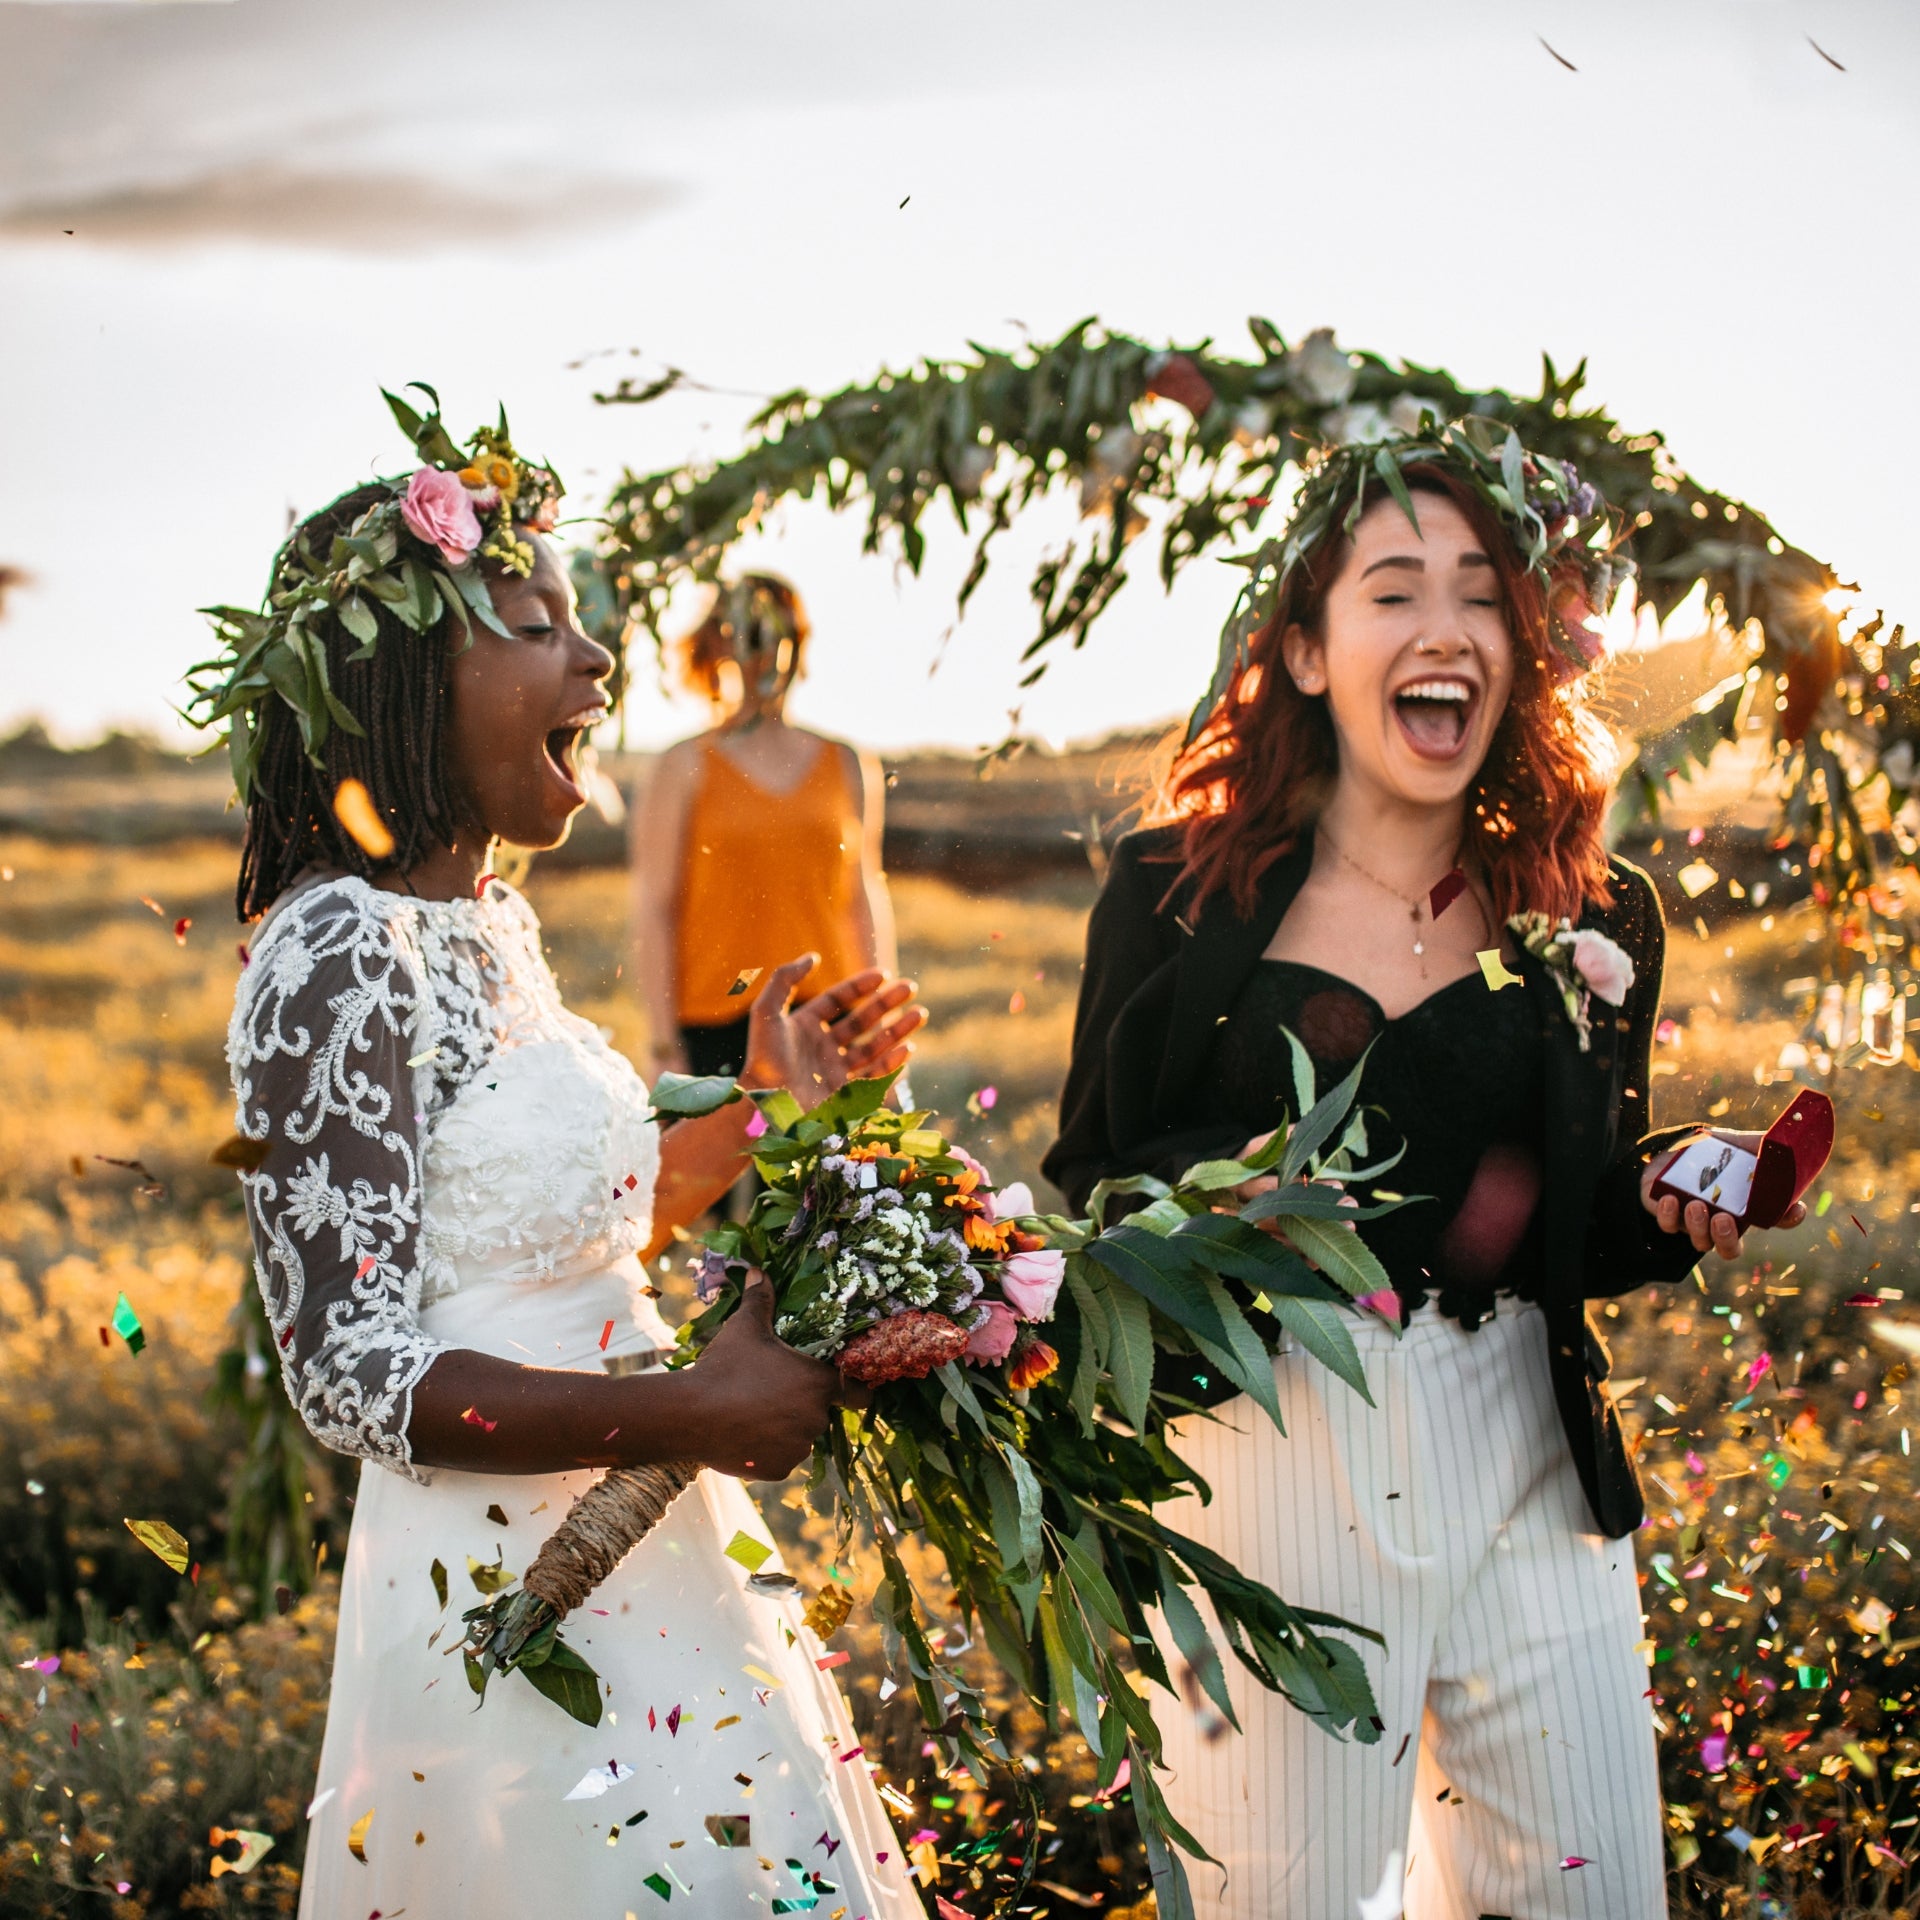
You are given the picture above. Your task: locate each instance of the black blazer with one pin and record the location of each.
(1159, 978)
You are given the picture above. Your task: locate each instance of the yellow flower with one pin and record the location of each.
(500, 473)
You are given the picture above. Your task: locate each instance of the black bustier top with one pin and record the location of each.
(1456, 1079)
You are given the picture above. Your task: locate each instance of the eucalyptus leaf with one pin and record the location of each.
(687, 1096)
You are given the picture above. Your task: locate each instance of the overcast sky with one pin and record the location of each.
(278, 205)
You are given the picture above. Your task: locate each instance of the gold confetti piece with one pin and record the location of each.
(827, 1611)
(729, 1829)
(763, 1676)
(1495, 970)
(744, 979)
(353, 808)
(162, 1541)
(239, 1153)
(357, 1836)
(438, 1574)
(732, 1720)
(489, 1577)
(1696, 878)
(750, 1553)
(421, 1059)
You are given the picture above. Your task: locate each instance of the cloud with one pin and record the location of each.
(365, 212)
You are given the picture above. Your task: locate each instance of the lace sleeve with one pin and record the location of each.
(319, 1046)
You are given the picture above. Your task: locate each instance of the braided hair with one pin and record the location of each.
(399, 694)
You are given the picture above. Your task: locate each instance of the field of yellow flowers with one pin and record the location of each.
(157, 1729)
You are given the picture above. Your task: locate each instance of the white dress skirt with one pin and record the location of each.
(471, 1814)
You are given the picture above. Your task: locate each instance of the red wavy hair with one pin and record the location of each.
(1258, 774)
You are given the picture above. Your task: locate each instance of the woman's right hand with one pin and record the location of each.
(1261, 1182)
(759, 1404)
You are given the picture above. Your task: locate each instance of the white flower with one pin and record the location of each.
(1603, 965)
(1404, 410)
(1319, 371)
(1356, 426)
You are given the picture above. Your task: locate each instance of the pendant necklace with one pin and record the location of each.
(1443, 893)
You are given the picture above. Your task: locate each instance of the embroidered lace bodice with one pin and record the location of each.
(434, 1120)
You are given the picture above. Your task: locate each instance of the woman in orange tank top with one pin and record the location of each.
(756, 842)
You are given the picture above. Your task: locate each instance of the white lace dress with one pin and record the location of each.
(454, 1160)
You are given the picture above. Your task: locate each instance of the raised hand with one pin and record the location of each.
(857, 1029)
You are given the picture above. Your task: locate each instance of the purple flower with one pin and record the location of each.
(712, 1276)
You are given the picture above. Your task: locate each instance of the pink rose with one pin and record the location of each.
(1031, 1282)
(992, 1340)
(438, 509)
(1009, 1203)
(1604, 966)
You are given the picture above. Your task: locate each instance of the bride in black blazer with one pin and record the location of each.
(1386, 840)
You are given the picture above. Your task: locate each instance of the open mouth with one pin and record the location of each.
(562, 744)
(1435, 714)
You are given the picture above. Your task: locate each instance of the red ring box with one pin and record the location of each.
(1755, 1189)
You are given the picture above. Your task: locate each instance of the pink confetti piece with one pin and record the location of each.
(829, 1842)
(606, 1334)
(366, 1266)
(1574, 1859)
(1759, 1367)
(989, 1098)
(1385, 1302)
(47, 1663)
(756, 1124)
(924, 1837)
(852, 1753)
(673, 1723)
(1713, 1753)
(1120, 1780)
(836, 1659)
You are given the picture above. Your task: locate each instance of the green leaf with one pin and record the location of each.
(359, 620)
(568, 1682)
(1134, 1183)
(1190, 1635)
(1244, 1360)
(1029, 1492)
(1320, 1122)
(1089, 1582)
(687, 1095)
(780, 1109)
(1130, 1352)
(1322, 1330)
(1160, 1274)
(1388, 468)
(1339, 1253)
(1210, 1176)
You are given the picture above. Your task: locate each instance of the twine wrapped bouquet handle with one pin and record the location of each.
(520, 1631)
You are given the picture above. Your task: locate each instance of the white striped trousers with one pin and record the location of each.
(1449, 1517)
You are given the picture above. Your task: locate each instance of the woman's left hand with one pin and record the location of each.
(859, 1028)
(1710, 1230)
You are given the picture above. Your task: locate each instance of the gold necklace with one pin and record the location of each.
(1437, 898)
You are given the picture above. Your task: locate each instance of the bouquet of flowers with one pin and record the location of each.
(1020, 1416)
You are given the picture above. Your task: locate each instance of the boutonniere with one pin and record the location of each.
(1582, 962)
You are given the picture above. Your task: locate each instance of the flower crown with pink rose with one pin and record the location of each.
(416, 549)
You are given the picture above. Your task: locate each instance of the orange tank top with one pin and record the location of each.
(764, 878)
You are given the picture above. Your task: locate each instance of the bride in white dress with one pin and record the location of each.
(458, 1180)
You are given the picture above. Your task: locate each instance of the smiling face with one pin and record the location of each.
(1414, 656)
(519, 707)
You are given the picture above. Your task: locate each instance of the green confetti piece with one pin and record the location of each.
(1779, 1470)
(804, 1903)
(126, 1323)
(751, 1553)
(1811, 1677)
(660, 1884)
(438, 1574)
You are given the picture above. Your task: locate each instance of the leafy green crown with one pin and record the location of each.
(416, 549)
(1562, 529)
